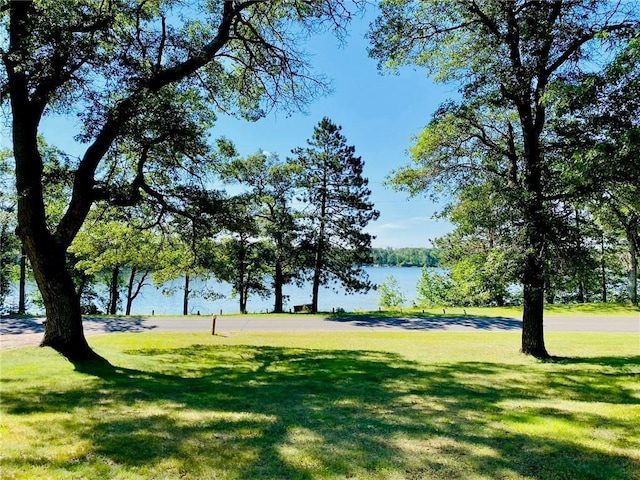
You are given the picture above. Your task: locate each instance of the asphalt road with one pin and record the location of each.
(16, 332)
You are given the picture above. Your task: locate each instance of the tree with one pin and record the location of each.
(241, 257)
(480, 252)
(604, 107)
(272, 185)
(114, 241)
(337, 210)
(135, 73)
(433, 288)
(391, 296)
(504, 54)
(405, 257)
(9, 244)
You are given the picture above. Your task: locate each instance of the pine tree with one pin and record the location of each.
(337, 210)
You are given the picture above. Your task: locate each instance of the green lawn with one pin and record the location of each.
(566, 309)
(366, 405)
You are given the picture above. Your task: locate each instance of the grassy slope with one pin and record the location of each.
(414, 405)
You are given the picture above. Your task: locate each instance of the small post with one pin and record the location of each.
(213, 324)
(464, 310)
(198, 312)
(153, 312)
(444, 311)
(220, 311)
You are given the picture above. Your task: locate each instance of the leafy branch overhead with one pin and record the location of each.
(500, 136)
(144, 80)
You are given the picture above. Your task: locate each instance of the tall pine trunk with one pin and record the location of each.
(185, 299)
(278, 282)
(320, 247)
(316, 282)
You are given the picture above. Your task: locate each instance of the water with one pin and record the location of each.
(152, 300)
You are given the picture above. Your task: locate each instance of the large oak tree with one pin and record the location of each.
(504, 54)
(133, 72)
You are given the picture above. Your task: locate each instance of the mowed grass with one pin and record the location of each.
(325, 405)
(554, 310)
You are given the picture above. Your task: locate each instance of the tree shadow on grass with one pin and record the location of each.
(270, 412)
(430, 322)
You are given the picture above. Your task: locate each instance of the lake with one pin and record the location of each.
(152, 300)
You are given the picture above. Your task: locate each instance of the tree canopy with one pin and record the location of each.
(144, 80)
(337, 209)
(504, 55)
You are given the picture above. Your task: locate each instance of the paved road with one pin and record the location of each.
(16, 332)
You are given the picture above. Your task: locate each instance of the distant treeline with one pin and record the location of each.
(405, 257)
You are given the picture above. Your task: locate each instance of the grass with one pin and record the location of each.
(366, 405)
(572, 309)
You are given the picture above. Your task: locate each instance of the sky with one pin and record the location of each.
(379, 113)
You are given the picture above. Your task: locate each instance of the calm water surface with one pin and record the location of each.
(155, 300)
(152, 299)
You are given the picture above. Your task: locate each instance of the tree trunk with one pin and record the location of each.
(316, 282)
(580, 273)
(603, 271)
(46, 252)
(63, 328)
(132, 277)
(633, 275)
(131, 294)
(113, 290)
(243, 299)
(278, 281)
(319, 260)
(535, 236)
(532, 317)
(185, 300)
(22, 296)
(580, 296)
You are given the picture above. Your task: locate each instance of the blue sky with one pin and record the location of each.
(378, 114)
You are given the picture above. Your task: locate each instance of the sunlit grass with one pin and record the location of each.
(325, 405)
(608, 309)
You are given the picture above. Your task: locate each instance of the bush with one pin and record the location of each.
(390, 294)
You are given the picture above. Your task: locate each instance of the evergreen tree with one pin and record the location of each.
(272, 184)
(337, 210)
